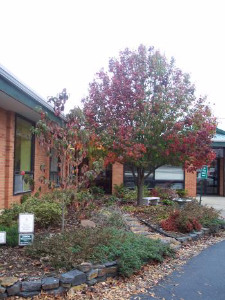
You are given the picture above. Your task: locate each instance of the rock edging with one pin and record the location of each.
(85, 274)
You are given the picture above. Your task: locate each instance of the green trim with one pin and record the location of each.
(20, 96)
(220, 131)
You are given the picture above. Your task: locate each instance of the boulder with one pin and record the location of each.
(88, 223)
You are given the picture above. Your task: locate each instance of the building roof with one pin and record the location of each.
(13, 87)
(219, 138)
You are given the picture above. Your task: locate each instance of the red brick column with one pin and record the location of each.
(117, 175)
(221, 176)
(41, 158)
(2, 156)
(191, 183)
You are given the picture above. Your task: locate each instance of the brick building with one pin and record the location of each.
(20, 151)
(178, 178)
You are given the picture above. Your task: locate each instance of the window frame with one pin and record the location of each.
(57, 184)
(32, 163)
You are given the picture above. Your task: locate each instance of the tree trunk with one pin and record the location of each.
(140, 194)
(140, 185)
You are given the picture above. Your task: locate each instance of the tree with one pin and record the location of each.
(145, 112)
(70, 141)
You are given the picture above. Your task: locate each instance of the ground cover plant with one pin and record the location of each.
(99, 246)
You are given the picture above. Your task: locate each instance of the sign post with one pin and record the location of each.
(204, 176)
(26, 229)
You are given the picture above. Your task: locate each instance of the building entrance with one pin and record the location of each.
(211, 184)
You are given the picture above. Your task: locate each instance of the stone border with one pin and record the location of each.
(85, 274)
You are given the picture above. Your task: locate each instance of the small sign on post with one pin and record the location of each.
(204, 175)
(26, 229)
(2, 237)
(204, 172)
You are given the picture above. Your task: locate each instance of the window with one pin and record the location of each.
(23, 157)
(164, 176)
(54, 168)
(169, 173)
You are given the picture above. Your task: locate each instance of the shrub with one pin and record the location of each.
(168, 202)
(100, 245)
(46, 212)
(164, 193)
(97, 191)
(182, 193)
(178, 221)
(120, 190)
(12, 236)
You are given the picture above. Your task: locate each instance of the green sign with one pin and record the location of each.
(25, 239)
(204, 172)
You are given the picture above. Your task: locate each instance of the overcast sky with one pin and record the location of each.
(52, 44)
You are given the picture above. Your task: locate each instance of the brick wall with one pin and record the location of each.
(117, 175)
(191, 183)
(40, 159)
(2, 156)
(7, 136)
(221, 192)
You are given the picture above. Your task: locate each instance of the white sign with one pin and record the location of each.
(26, 223)
(2, 237)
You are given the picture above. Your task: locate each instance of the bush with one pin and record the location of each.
(178, 221)
(100, 245)
(97, 191)
(46, 212)
(120, 190)
(164, 193)
(12, 236)
(168, 202)
(182, 193)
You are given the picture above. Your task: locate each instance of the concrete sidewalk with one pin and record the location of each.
(216, 202)
(202, 278)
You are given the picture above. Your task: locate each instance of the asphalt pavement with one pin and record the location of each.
(202, 278)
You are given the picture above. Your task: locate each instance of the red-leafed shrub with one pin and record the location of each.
(179, 221)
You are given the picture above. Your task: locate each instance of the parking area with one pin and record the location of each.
(216, 202)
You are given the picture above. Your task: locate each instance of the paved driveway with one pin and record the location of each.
(216, 202)
(202, 278)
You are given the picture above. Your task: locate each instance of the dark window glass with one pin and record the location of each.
(23, 159)
(54, 172)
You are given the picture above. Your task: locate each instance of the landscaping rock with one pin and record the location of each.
(30, 286)
(107, 271)
(183, 239)
(57, 291)
(85, 267)
(101, 279)
(3, 296)
(2, 290)
(66, 285)
(74, 289)
(74, 277)
(88, 223)
(92, 282)
(194, 236)
(111, 264)
(98, 267)
(92, 274)
(14, 289)
(28, 294)
(205, 230)
(50, 283)
(8, 281)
